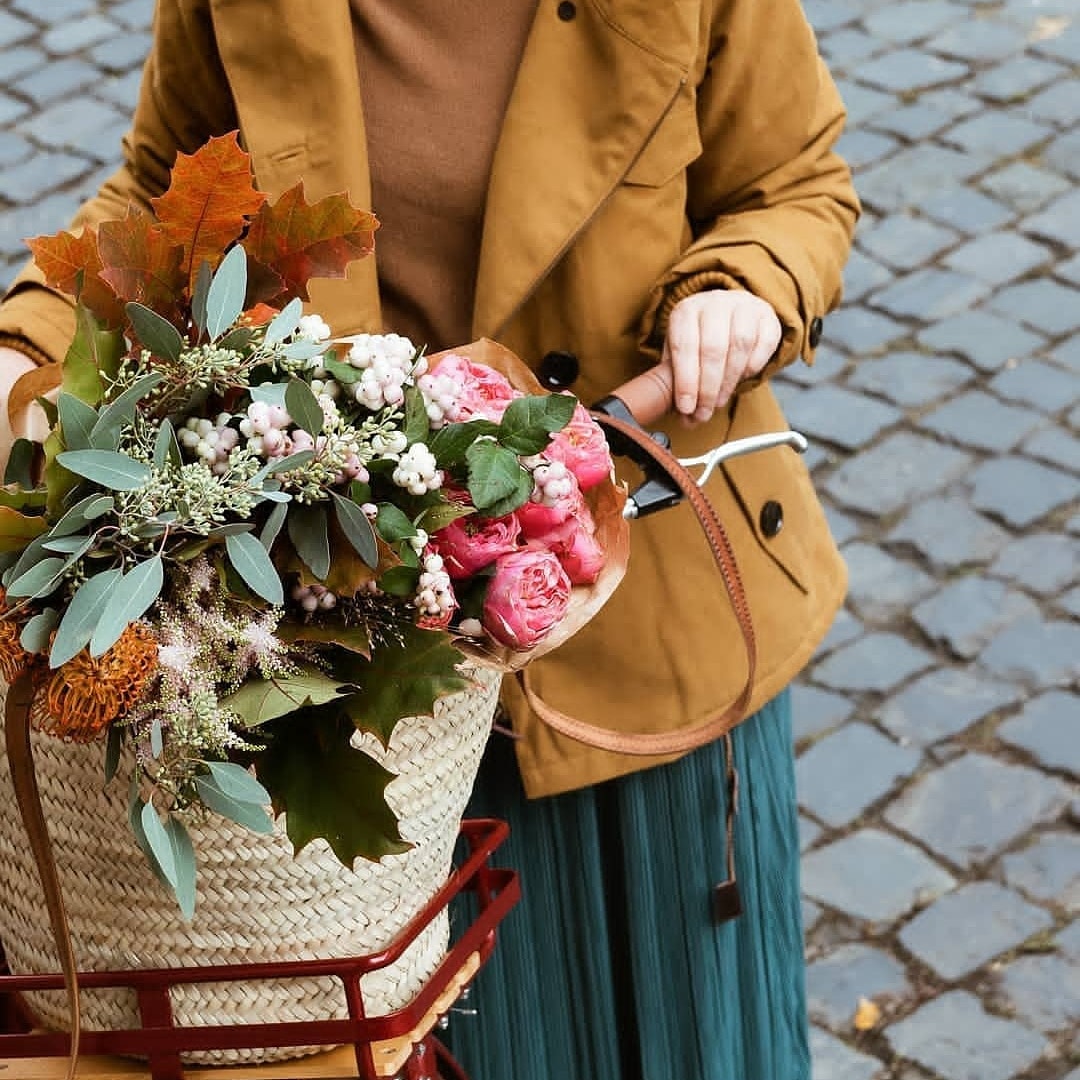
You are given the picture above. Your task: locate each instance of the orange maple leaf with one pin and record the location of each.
(142, 264)
(210, 199)
(72, 264)
(292, 241)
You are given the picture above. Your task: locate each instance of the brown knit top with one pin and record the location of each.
(435, 77)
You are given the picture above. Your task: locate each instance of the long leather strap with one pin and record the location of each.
(673, 742)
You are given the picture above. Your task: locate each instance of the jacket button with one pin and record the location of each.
(816, 326)
(558, 370)
(567, 10)
(771, 518)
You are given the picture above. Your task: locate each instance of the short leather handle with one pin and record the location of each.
(670, 742)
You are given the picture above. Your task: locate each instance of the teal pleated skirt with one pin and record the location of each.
(612, 967)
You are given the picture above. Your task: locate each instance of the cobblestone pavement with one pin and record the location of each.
(939, 728)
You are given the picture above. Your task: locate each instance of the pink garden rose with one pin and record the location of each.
(537, 520)
(471, 543)
(481, 391)
(582, 447)
(575, 545)
(527, 598)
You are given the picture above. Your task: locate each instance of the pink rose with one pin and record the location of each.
(481, 391)
(537, 519)
(471, 543)
(575, 545)
(582, 447)
(527, 597)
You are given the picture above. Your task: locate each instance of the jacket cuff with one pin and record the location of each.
(37, 321)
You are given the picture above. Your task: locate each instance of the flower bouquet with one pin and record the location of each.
(257, 570)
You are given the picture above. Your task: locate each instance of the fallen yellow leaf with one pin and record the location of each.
(867, 1015)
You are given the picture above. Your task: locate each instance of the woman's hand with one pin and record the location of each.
(714, 340)
(32, 422)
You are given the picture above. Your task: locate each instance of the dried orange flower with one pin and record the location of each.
(82, 697)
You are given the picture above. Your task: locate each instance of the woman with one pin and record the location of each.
(601, 185)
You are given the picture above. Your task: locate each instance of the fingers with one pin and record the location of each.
(682, 351)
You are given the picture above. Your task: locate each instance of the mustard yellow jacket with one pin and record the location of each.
(650, 150)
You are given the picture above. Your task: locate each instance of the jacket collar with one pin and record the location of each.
(588, 95)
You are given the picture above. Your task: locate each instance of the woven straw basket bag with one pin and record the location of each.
(256, 901)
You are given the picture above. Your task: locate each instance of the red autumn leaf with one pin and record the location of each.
(210, 199)
(72, 264)
(142, 264)
(259, 315)
(293, 242)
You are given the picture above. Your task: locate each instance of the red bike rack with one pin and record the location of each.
(396, 1044)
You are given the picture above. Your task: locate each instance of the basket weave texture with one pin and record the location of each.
(256, 901)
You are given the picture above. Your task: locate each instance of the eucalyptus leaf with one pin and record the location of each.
(285, 322)
(121, 412)
(273, 525)
(302, 350)
(166, 448)
(77, 420)
(357, 529)
(304, 407)
(252, 563)
(225, 297)
(184, 860)
(238, 338)
(40, 580)
(238, 783)
(131, 598)
(260, 700)
(35, 634)
(81, 617)
(243, 813)
(275, 496)
(19, 465)
(65, 545)
(155, 333)
(277, 465)
(233, 528)
(84, 511)
(309, 531)
(158, 840)
(269, 393)
(109, 468)
(157, 738)
(198, 297)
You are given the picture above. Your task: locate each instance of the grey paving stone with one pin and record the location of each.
(13, 29)
(998, 257)
(1070, 602)
(873, 875)
(810, 915)
(80, 124)
(863, 274)
(72, 35)
(1038, 303)
(845, 628)
(842, 527)
(11, 108)
(881, 586)
(836, 983)
(877, 661)
(1015, 78)
(835, 415)
(1068, 941)
(1049, 868)
(121, 90)
(1047, 728)
(1063, 154)
(998, 134)
(963, 930)
(833, 791)
(860, 147)
(905, 70)
(808, 832)
(58, 79)
(1067, 354)
(1020, 491)
(1044, 563)
(979, 40)
(970, 809)
(968, 613)
(1044, 991)
(1064, 46)
(912, 20)
(862, 102)
(949, 533)
(897, 471)
(1058, 221)
(34, 219)
(1057, 104)
(43, 172)
(1054, 446)
(860, 331)
(964, 208)
(1035, 382)
(134, 14)
(59, 10)
(814, 710)
(943, 703)
(914, 174)
(906, 242)
(1069, 270)
(1043, 652)
(13, 148)
(828, 364)
(981, 421)
(122, 52)
(930, 294)
(933, 111)
(19, 60)
(986, 339)
(847, 47)
(1023, 186)
(955, 1037)
(910, 379)
(832, 1060)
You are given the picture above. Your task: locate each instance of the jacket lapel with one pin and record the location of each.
(588, 95)
(292, 68)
